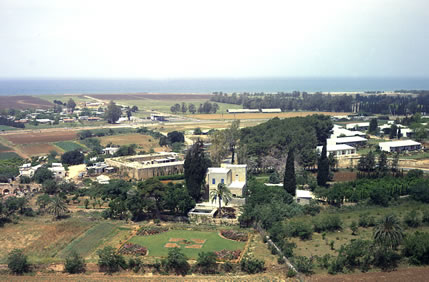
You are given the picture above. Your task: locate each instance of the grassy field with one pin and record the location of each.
(8, 155)
(41, 237)
(69, 146)
(90, 240)
(36, 149)
(156, 243)
(4, 148)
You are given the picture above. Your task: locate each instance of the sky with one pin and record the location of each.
(204, 39)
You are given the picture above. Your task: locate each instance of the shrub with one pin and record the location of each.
(312, 209)
(280, 260)
(225, 255)
(420, 192)
(425, 218)
(379, 196)
(366, 220)
(354, 227)
(291, 273)
(151, 230)
(303, 264)
(300, 229)
(176, 261)
(386, 259)
(227, 267)
(356, 254)
(324, 261)
(412, 219)
(235, 235)
(17, 262)
(206, 262)
(74, 263)
(251, 265)
(133, 249)
(327, 223)
(416, 248)
(109, 261)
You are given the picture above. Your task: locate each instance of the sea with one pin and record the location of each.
(228, 85)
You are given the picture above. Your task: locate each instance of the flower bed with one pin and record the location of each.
(235, 235)
(132, 249)
(225, 255)
(151, 230)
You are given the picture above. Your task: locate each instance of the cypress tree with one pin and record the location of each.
(196, 165)
(323, 167)
(289, 182)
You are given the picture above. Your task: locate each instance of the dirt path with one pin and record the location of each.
(404, 274)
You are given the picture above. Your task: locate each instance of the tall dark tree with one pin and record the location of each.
(192, 108)
(71, 105)
(399, 133)
(393, 131)
(382, 161)
(373, 126)
(113, 112)
(289, 182)
(196, 165)
(323, 167)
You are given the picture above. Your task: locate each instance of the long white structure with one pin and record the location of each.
(352, 141)
(399, 146)
(338, 150)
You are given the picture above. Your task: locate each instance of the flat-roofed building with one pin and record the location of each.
(351, 141)
(142, 167)
(242, 111)
(400, 146)
(358, 126)
(271, 110)
(338, 150)
(233, 176)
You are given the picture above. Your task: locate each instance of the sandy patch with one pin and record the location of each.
(194, 246)
(171, 245)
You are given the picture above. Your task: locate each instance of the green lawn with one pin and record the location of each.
(155, 243)
(8, 155)
(69, 145)
(90, 240)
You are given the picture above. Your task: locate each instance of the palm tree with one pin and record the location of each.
(222, 193)
(57, 207)
(388, 232)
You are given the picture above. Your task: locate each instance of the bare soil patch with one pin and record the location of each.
(41, 137)
(175, 239)
(171, 245)
(199, 241)
(262, 115)
(38, 148)
(342, 176)
(404, 274)
(152, 96)
(23, 102)
(193, 246)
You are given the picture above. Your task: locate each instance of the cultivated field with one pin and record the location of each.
(262, 115)
(144, 141)
(69, 145)
(159, 244)
(41, 237)
(8, 155)
(41, 137)
(35, 149)
(23, 102)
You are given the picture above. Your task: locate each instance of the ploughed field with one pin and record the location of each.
(23, 102)
(152, 96)
(40, 137)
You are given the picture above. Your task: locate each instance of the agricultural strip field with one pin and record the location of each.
(41, 137)
(23, 102)
(69, 146)
(34, 149)
(90, 240)
(4, 148)
(41, 237)
(5, 127)
(8, 155)
(144, 141)
(262, 115)
(213, 242)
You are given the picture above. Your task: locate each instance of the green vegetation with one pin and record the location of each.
(17, 262)
(8, 155)
(6, 128)
(90, 240)
(156, 243)
(69, 146)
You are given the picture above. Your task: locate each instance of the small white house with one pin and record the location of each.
(271, 110)
(58, 170)
(400, 146)
(110, 150)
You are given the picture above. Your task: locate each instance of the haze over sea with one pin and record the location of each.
(91, 86)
